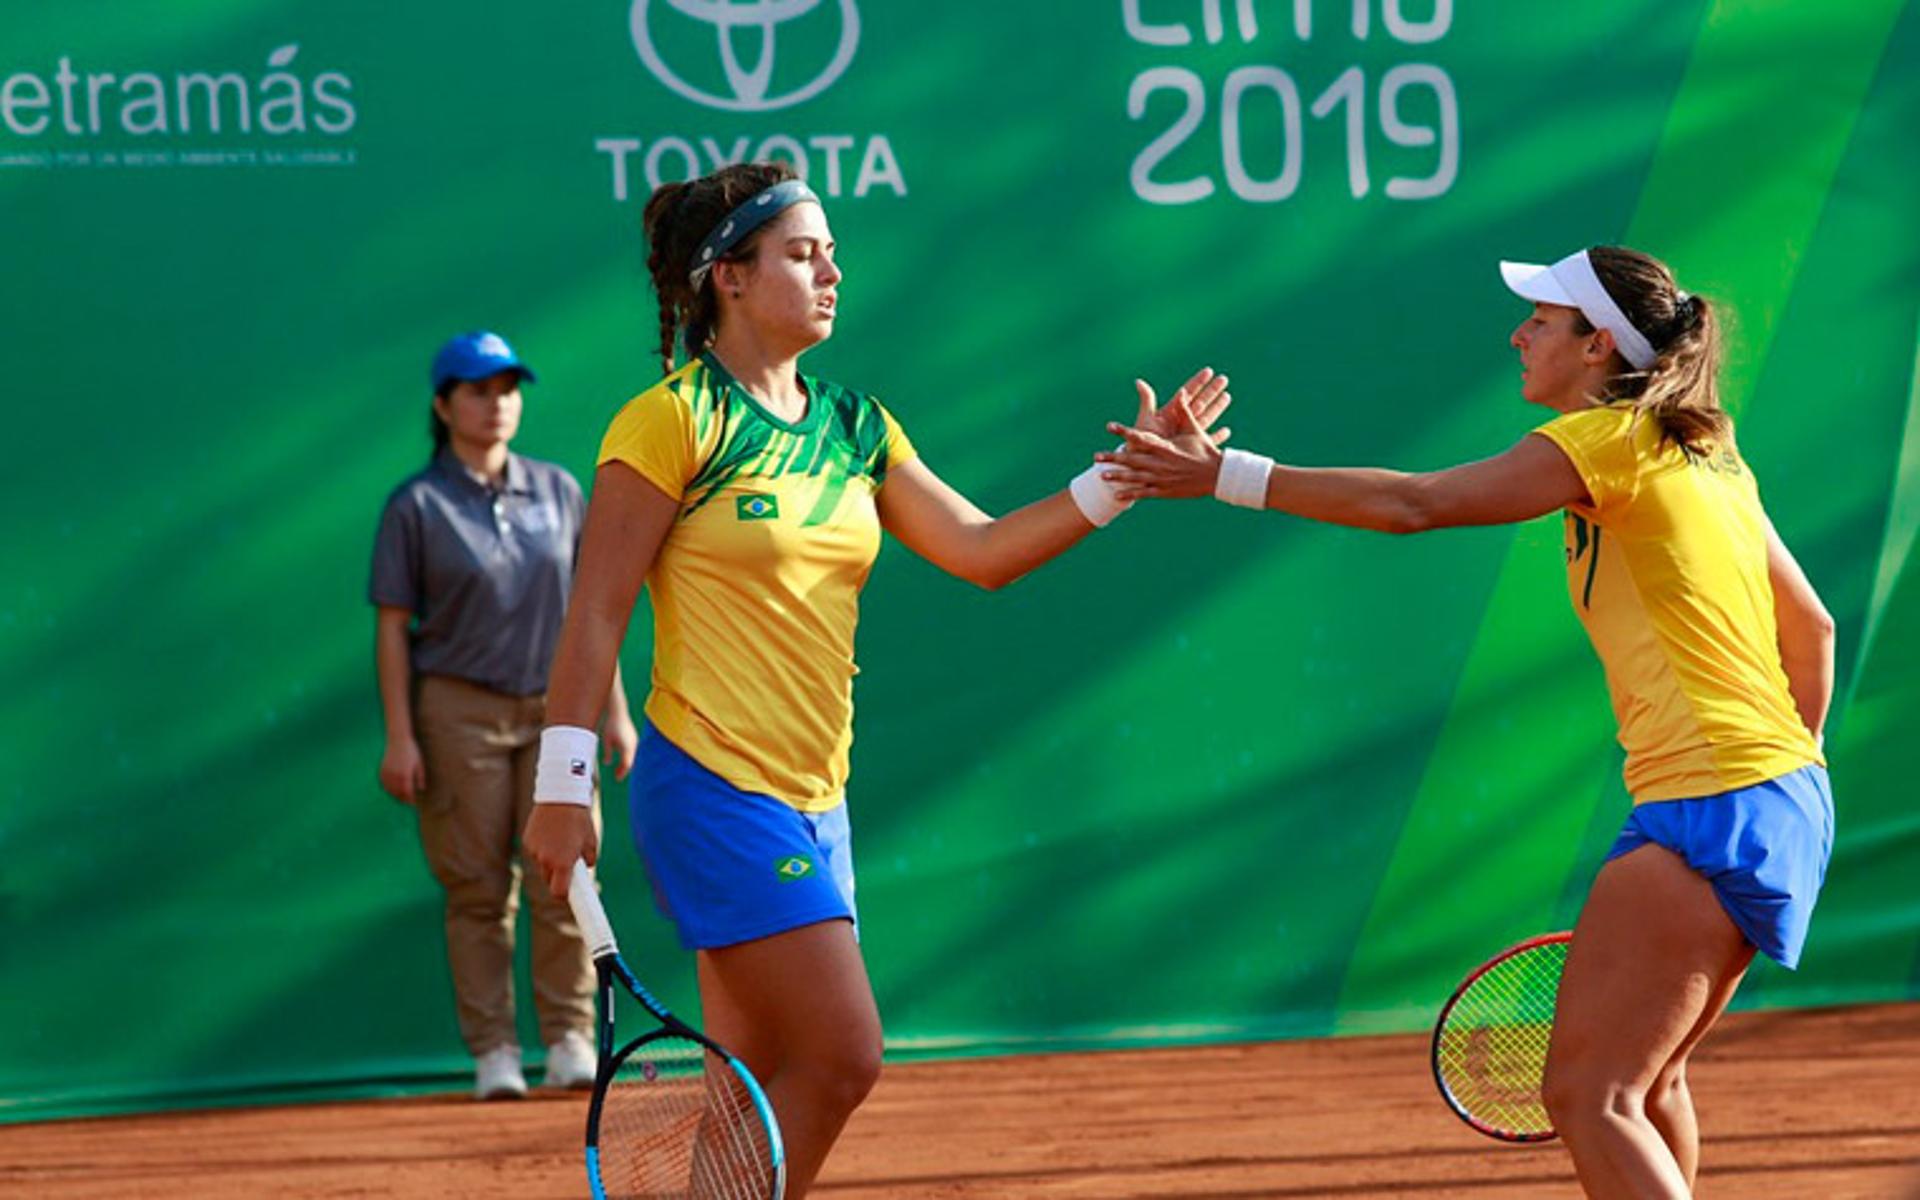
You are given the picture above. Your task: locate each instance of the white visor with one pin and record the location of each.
(1571, 282)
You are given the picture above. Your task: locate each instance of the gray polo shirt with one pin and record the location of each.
(484, 571)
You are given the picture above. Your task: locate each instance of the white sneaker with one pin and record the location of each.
(571, 1062)
(496, 1075)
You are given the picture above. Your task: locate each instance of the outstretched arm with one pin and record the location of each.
(1531, 478)
(948, 530)
(1806, 635)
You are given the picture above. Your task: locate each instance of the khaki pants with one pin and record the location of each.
(479, 748)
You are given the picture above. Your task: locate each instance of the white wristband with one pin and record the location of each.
(1243, 479)
(564, 773)
(1094, 496)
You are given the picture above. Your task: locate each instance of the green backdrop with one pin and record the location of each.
(1212, 776)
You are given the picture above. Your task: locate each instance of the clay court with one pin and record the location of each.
(1812, 1105)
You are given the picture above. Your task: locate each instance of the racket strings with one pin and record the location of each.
(1492, 1048)
(677, 1124)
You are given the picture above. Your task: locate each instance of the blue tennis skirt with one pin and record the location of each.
(1764, 849)
(729, 866)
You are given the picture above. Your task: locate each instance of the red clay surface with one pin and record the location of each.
(1807, 1105)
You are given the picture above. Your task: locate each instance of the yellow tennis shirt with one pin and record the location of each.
(756, 589)
(1668, 572)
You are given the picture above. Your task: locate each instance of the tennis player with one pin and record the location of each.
(750, 498)
(1718, 654)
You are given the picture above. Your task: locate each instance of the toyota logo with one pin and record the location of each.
(749, 84)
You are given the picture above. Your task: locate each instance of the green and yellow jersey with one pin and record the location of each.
(1667, 569)
(756, 589)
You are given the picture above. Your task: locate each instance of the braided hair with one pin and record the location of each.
(677, 218)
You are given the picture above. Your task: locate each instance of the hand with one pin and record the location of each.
(1204, 393)
(1155, 466)
(402, 772)
(555, 837)
(619, 742)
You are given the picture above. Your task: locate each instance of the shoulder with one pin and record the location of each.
(1592, 424)
(1601, 442)
(856, 412)
(843, 403)
(411, 493)
(667, 431)
(685, 394)
(412, 510)
(1594, 436)
(873, 435)
(547, 476)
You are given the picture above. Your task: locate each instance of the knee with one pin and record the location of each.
(545, 908)
(482, 895)
(842, 1074)
(1669, 1087)
(1577, 1094)
(856, 1070)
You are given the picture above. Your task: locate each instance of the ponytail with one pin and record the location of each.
(1681, 390)
(659, 221)
(437, 428)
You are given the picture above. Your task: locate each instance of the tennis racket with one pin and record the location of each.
(1490, 1043)
(673, 1116)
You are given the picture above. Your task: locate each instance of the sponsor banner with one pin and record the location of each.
(1308, 767)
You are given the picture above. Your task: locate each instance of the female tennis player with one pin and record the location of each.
(750, 498)
(1718, 655)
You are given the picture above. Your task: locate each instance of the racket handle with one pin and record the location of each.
(587, 910)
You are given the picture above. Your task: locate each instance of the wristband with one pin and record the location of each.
(564, 773)
(1094, 496)
(1243, 479)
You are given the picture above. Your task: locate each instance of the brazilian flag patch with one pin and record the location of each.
(794, 869)
(758, 506)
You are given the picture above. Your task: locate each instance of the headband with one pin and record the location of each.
(756, 211)
(1573, 283)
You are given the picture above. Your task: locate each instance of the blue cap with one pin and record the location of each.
(475, 356)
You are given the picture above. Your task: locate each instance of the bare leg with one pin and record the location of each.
(798, 1010)
(1670, 1101)
(1653, 961)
